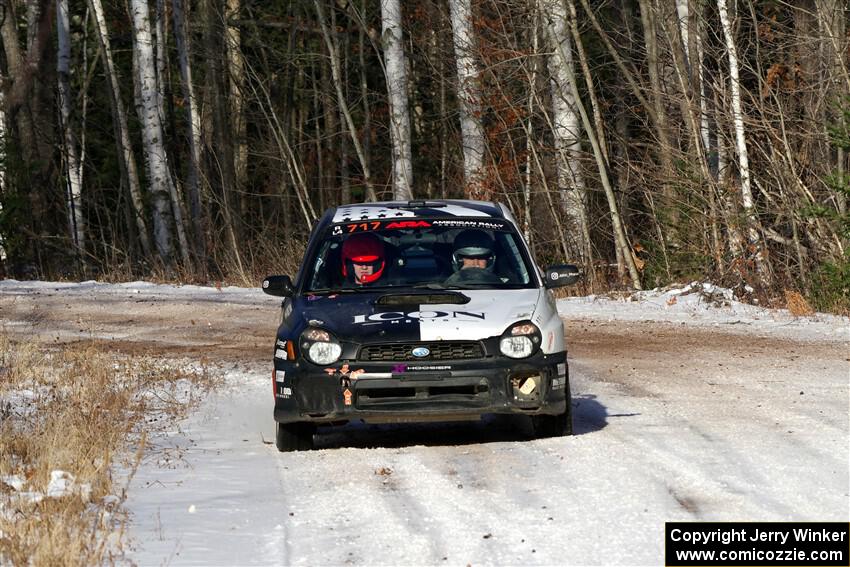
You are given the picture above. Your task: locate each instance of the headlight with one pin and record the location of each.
(520, 341)
(320, 346)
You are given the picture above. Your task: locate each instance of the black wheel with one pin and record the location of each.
(555, 425)
(294, 436)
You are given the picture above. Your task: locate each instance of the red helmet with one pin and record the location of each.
(363, 249)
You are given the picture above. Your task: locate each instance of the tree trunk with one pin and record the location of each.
(337, 77)
(127, 159)
(238, 124)
(529, 126)
(620, 238)
(469, 97)
(567, 129)
(76, 222)
(396, 72)
(4, 130)
(160, 54)
(222, 146)
(193, 127)
(364, 93)
(833, 23)
(662, 127)
(753, 237)
(152, 136)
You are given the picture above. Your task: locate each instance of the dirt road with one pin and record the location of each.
(673, 422)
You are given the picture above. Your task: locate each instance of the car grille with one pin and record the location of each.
(442, 350)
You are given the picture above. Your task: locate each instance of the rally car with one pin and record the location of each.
(418, 311)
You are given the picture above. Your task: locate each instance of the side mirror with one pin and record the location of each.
(278, 285)
(561, 275)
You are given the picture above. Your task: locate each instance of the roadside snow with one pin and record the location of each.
(147, 289)
(706, 305)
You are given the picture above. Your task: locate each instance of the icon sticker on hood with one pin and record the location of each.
(418, 315)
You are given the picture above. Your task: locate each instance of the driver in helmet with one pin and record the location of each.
(473, 258)
(363, 259)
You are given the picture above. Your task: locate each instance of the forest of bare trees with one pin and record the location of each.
(648, 141)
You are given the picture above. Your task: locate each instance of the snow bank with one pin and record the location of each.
(705, 305)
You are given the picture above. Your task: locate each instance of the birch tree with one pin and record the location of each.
(469, 96)
(73, 167)
(396, 72)
(566, 127)
(753, 237)
(152, 135)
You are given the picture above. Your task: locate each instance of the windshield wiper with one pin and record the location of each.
(429, 285)
(443, 287)
(326, 291)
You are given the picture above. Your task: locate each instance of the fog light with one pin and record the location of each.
(516, 347)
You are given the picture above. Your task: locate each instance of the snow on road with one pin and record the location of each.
(695, 409)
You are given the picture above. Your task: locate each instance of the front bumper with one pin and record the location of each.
(438, 390)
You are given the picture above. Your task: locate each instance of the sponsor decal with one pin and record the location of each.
(279, 375)
(555, 276)
(407, 224)
(493, 225)
(345, 374)
(287, 310)
(337, 230)
(420, 352)
(402, 368)
(559, 383)
(346, 395)
(410, 316)
(280, 343)
(528, 386)
(285, 392)
(265, 284)
(562, 369)
(280, 353)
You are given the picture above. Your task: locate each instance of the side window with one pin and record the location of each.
(509, 262)
(326, 267)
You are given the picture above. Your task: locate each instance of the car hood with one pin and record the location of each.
(365, 318)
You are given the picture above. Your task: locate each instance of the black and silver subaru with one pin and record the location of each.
(418, 310)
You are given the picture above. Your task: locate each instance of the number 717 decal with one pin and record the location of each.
(364, 226)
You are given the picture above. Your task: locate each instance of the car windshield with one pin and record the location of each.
(428, 254)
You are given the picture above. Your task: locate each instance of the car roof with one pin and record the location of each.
(415, 209)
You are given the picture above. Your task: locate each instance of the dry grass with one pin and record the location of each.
(84, 411)
(797, 304)
(258, 259)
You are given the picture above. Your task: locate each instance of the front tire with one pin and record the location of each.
(559, 425)
(294, 437)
